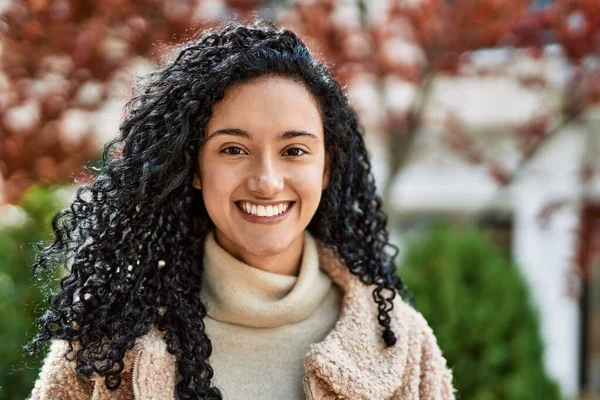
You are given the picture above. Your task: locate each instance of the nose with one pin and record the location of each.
(265, 180)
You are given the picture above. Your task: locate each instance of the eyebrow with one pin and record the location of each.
(242, 133)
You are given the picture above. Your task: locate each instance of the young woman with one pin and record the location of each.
(234, 246)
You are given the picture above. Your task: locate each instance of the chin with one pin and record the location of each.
(266, 248)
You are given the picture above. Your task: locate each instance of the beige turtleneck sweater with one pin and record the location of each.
(261, 324)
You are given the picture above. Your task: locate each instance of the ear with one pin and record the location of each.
(196, 182)
(327, 170)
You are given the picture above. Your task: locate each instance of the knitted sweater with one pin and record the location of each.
(351, 362)
(261, 324)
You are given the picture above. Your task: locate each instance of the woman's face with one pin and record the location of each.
(263, 166)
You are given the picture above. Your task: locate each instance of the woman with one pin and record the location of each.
(234, 246)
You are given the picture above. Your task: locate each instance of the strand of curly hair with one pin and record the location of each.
(132, 240)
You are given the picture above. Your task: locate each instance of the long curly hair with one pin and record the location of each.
(132, 240)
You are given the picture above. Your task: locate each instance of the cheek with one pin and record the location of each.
(309, 185)
(218, 186)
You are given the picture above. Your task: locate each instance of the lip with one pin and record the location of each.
(263, 203)
(266, 220)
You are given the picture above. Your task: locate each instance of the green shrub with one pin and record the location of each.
(21, 300)
(480, 310)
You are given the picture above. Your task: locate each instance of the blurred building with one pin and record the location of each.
(549, 217)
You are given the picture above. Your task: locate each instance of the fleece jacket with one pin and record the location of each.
(351, 362)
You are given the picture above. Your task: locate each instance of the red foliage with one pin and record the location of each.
(446, 30)
(68, 44)
(576, 26)
(58, 56)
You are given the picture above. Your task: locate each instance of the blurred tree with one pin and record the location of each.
(419, 41)
(482, 315)
(60, 59)
(21, 301)
(59, 55)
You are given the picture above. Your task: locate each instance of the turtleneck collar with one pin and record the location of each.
(237, 293)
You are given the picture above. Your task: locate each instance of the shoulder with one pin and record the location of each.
(405, 319)
(58, 379)
(353, 360)
(406, 322)
(412, 319)
(412, 327)
(425, 362)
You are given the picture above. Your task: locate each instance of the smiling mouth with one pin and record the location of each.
(261, 211)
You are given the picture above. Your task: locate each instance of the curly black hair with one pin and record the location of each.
(132, 240)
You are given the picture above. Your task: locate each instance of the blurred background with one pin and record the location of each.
(482, 120)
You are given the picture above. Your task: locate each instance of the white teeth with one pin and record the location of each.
(264, 211)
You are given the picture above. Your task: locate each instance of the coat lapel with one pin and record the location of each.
(352, 361)
(153, 370)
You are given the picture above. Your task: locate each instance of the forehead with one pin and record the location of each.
(267, 105)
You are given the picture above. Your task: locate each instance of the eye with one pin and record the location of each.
(295, 152)
(232, 151)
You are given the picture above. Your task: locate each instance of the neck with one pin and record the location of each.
(286, 262)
